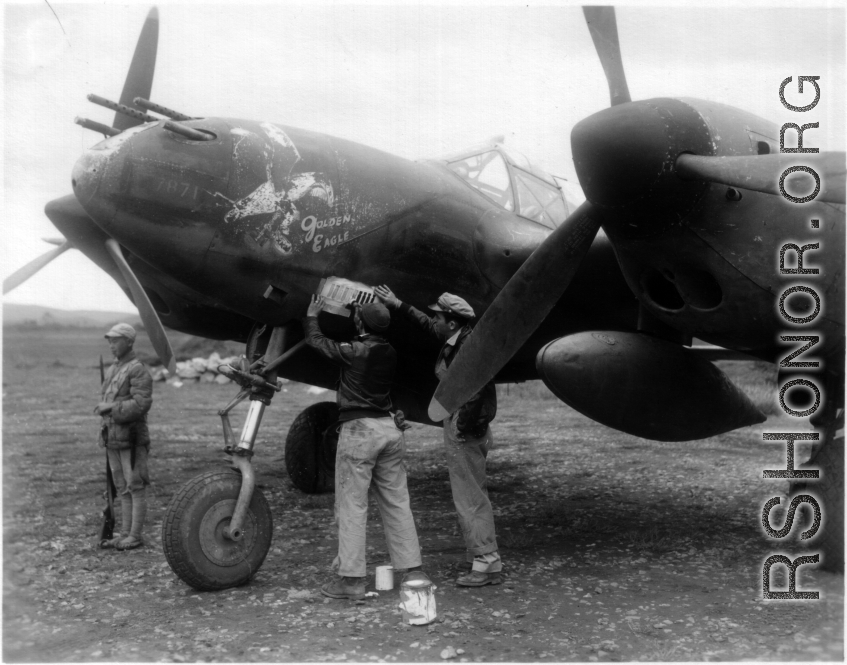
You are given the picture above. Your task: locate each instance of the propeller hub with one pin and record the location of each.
(624, 157)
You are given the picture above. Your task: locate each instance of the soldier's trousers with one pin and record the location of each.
(370, 458)
(466, 463)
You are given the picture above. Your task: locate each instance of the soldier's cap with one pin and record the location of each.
(121, 330)
(454, 305)
(376, 316)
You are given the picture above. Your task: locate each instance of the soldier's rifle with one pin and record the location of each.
(107, 527)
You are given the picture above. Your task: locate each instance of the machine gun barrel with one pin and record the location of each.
(120, 108)
(158, 108)
(96, 126)
(187, 132)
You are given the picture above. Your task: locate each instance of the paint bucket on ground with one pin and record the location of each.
(417, 600)
(384, 578)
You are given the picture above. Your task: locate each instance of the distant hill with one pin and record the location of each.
(38, 315)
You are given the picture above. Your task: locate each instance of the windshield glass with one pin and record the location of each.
(539, 201)
(510, 180)
(488, 173)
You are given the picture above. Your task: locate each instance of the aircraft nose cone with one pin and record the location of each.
(624, 155)
(86, 175)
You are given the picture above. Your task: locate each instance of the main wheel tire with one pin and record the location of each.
(310, 448)
(192, 532)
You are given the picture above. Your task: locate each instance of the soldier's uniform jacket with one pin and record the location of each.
(367, 364)
(129, 385)
(474, 415)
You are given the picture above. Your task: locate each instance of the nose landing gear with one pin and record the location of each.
(194, 532)
(218, 527)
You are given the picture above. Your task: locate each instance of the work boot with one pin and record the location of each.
(486, 570)
(351, 588)
(475, 578)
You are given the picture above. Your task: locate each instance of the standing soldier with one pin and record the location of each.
(127, 394)
(467, 436)
(370, 450)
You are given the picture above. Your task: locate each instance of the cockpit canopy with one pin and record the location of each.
(511, 181)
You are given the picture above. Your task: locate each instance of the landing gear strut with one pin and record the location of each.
(217, 529)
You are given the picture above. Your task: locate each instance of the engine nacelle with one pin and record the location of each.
(644, 386)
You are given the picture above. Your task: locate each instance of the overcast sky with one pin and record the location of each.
(417, 81)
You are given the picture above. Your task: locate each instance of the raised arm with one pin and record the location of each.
(424, 322)
(329, 349)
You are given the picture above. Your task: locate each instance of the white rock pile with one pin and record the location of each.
(197, 370)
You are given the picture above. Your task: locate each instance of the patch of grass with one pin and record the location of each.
(758, 381)
(529, 391)
(318, 502)
(664, 654)
(554, 513)
(638, 629)
(652, 540)
(764, 397)
(523, 540)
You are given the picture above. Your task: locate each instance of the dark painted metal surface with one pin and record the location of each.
(698, 259)
(243, 227)
(644, 386)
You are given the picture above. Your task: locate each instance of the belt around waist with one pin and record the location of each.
(353, 414)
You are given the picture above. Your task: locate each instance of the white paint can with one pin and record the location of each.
(384, 578)
(417, 600)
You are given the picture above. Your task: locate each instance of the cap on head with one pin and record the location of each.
(376, 316)
(121, 330)
(454, 305)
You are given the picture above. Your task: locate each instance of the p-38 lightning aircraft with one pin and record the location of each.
(224, 228)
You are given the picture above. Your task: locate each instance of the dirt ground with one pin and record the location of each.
(614, 547)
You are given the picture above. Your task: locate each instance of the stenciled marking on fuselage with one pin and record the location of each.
(266, 199)
(181, 188)
(321, 241)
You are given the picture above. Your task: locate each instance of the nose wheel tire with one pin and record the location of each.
(193, 532)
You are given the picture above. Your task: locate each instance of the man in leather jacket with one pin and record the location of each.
(370, 450)
(467, 435)
(126, 397)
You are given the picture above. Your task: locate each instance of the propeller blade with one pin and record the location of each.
(22, 274)
(139, 78)
(761, 173)
(517, 311)
(155, 330)
(604, 33)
